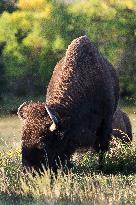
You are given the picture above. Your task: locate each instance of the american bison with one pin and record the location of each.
(81, 99)
(121, 126)
(121, 129)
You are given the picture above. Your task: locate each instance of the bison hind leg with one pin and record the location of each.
(102, 141)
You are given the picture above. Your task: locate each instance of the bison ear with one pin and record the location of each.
(54, 117)
(20, 111)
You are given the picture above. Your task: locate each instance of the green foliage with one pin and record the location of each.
(38, 33)
(10, 103)
(8, 5)
(2, 71)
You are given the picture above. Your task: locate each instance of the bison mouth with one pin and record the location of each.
(33, 159)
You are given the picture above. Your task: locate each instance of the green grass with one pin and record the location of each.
(114, 184)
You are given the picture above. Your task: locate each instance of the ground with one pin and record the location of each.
(85, 184)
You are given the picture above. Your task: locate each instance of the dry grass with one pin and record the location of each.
(10, 136)
(114, 184)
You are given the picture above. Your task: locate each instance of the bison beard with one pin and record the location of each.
(81, 99)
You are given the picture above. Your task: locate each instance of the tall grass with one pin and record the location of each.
(85, 184)
(115, 183)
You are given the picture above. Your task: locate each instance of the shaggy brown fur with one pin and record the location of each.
(80, 74)
(82, 97)
(121, 126)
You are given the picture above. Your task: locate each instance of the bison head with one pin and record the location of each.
(41, 136)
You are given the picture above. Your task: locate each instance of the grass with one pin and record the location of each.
(10, 129)
(85, 184)
(114, 184)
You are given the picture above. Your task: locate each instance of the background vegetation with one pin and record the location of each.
(34, 35)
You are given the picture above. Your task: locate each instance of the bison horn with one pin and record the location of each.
(54, 118)
(20, 112)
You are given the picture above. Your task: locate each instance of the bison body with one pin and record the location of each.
(81, 99)
(121, 126)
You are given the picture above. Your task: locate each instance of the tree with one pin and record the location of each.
(2, 71)
(112, 26)
(8, 5)
(39, 31)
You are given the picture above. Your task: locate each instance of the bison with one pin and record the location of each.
(81, 99)
(121, 126)
(121, 129)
